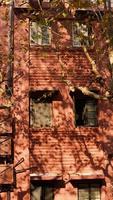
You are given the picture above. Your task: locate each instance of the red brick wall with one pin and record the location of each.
(65, 149)
(62, 150)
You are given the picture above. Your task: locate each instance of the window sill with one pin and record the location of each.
(40, 128)
(55, 49)
(40, 46)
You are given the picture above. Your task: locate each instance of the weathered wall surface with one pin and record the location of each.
(65, 149)
(19, 110)
(62, 151)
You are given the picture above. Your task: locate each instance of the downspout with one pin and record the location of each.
(9, 87)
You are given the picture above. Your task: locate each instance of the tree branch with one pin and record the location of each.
(94, 66)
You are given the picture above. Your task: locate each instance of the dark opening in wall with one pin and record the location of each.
(85, 109)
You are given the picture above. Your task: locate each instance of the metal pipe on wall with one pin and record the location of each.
(9, 87)
(8, 195)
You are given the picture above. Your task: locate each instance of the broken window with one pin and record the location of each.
(40, 33)
(85, 110)
(41, 108)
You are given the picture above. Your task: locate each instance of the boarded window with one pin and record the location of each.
(41, 108)
(80, 34)
(40, 34)
(41, 114)
(89, 192)
(85, 110)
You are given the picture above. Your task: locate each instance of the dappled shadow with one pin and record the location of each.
(63, 148)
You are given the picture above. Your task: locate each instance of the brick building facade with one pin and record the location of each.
(56, 142)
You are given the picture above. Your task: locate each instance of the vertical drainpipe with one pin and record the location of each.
(9, 87)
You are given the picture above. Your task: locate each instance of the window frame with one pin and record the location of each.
(53, 95)
(78, 24)
(109, 3)
(89, 186)
(40, 35)
(53, 184)
(77, 97)
(6, 155)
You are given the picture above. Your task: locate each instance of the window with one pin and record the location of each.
(42, 192)
(46, 1)
(40, 34)
(85, 110)
(45, 190)
(109, 3)
(80, 34)
(89, 191)
(6, 149)
(41, 108)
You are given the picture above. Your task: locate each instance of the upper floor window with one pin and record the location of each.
(91, 191)
(85, 110)
(80, 34)
(109, 3)
(40, 33)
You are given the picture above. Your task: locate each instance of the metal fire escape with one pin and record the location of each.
(7, 125)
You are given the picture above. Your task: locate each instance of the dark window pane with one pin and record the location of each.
(90, 113)
(85, 109)
(42, 192)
